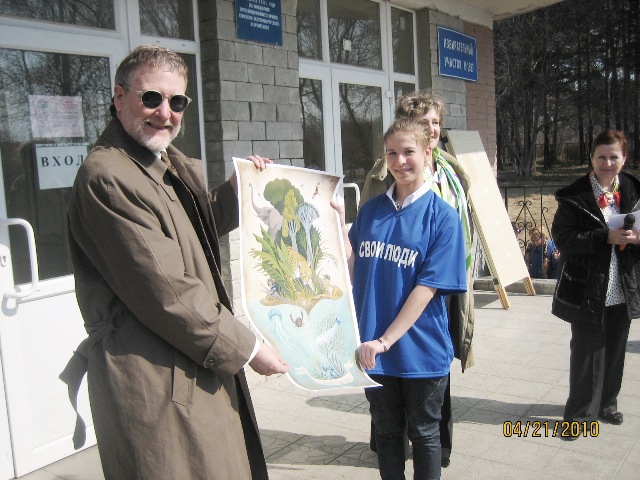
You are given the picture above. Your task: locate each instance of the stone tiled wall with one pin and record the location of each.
(251, 104)
(481, 95)
(451, 90)
(469, 105)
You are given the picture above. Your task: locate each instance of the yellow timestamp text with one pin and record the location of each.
(554, 429)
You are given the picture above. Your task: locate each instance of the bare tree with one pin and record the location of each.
(564, 73)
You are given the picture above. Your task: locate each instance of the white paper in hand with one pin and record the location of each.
(617, 221)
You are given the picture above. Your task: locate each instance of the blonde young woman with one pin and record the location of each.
(400, 304)
(449, 182)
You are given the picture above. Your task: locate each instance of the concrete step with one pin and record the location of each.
(541, 286)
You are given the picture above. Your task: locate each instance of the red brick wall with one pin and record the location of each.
(481, 95)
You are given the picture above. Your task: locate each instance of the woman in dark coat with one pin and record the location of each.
(597, 291)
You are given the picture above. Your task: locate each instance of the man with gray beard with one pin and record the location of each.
(164, 355)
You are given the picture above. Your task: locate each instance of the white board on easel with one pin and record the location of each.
(490, 217)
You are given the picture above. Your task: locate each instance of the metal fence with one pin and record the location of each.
(530, 207)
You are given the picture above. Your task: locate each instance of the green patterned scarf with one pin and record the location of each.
(446, 184)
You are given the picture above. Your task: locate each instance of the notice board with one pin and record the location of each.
(457, 55)
(259, 21)
(489, 214)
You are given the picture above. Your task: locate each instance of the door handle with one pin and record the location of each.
(357, 190)
(31, 241)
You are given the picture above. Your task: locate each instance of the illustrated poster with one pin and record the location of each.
(295, 281)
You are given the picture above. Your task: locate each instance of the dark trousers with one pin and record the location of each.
(407, 407)
(446, 427)
(446, 422)
(596, 366)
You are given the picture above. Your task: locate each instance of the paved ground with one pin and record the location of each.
(521, 375)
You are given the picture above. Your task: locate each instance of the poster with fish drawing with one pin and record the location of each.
(295, 281)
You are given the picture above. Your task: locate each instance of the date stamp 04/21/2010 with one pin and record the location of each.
(550, 428)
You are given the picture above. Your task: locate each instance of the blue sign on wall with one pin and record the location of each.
(259, 21)
(457, 55)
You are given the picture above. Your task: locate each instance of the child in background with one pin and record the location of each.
(535, 255)
(553, 267)
(405, 252)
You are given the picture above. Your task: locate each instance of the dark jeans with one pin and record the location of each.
(446, 422)
(414, 404)
(446, 427)
(596, 366)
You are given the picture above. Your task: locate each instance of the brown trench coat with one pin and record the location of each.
(167, 356)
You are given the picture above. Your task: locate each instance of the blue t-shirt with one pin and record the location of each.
(421, 244)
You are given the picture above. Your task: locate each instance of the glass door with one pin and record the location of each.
(356, 58)
(57, 62)
(52, 108)
(358, 126)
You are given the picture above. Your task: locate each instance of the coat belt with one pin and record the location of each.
(73, 374)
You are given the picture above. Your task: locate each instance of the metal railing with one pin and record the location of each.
(530, 207)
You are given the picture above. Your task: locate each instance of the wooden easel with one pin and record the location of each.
(489, 215)
(500, 289)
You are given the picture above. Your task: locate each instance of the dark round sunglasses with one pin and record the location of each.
(153, 99)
